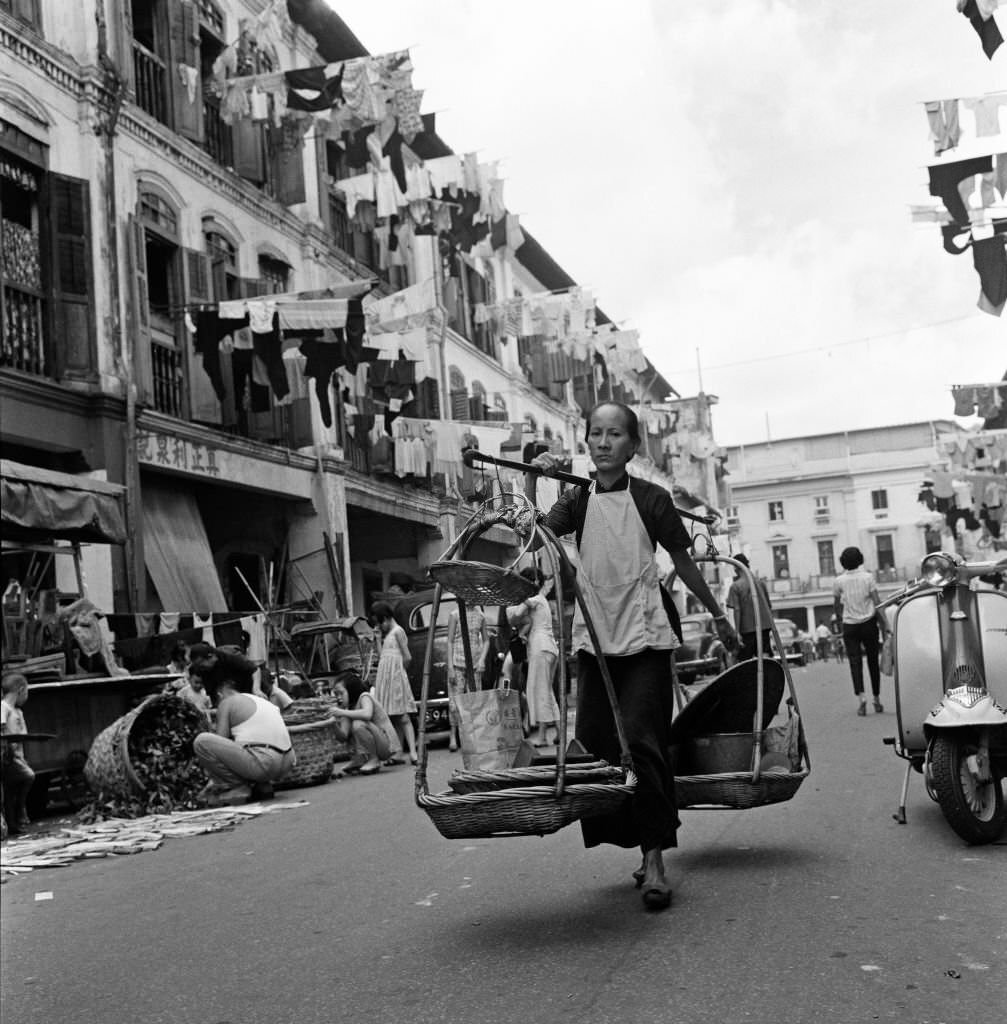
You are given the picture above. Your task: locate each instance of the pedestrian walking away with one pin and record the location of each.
(856, 602)
(617, 521)
(741, 601)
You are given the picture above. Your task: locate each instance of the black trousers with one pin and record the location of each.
(862, 638)
(643, 689)
(747, 647)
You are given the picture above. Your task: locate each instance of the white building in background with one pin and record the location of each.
(795, 503)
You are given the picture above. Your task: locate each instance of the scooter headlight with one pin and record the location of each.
(939, 569)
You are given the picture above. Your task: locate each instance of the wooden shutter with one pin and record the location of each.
(286, 151)
(183, 54)
(249, 162)
(203, 402)
(140, 310)
(72, 331)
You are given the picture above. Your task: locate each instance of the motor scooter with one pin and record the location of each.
(950, 667)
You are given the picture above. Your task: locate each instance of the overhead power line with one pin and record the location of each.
(824, 348)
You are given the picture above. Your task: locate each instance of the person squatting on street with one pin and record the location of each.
(739, 598)
(617, 522)
(391, 683)
(533, 619)
(856, 601)
(250, 750)
(365, 723)
(478, 642)
(17, 773)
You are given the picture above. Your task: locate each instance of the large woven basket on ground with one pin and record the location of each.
(315, 739)
(109, 768)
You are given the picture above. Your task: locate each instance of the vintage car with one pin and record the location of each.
(792, 641)
(702, 651)
(412, 613)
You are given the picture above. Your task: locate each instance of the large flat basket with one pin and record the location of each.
(523, 811)
(481, 583)
(737, 789)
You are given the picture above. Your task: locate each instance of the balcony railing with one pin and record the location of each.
(22, 341)
(217, 137)
(150, 75)
(168, 378)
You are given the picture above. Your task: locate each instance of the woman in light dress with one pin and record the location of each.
(534, 620)
(391, 685)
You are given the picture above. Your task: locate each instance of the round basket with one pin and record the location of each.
(109, 768)
(533, 775)
(306, 710)
(736, 789)
(481, 583)
(314, 746)
(526, 811)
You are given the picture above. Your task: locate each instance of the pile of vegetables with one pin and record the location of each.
(161, 755)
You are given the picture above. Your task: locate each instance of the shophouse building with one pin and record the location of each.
(795, 503)
(165, 186)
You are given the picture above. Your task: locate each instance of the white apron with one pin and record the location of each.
(618, 576)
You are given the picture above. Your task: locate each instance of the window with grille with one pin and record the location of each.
(879, 502)
(776, 511)
(274, 275)
(781, 562)
(822, 512)
(884, 544)
(826, 558)
(733, 519)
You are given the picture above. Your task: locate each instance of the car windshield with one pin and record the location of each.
(786, 629)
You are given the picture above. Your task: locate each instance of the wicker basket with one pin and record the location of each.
(737, 789)
(481, 583)
(533, 775)
(109, 768)
(315, 745)
(526, 811)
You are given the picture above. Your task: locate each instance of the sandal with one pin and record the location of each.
(878, 707)
(862, 710)
(657, 896)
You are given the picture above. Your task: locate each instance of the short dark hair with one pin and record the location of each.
(201, 650)
(851, 558)
(530, 573)
(741, 558)
(382, 610)
(632, 422)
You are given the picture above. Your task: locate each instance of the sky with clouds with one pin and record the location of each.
(732, 180)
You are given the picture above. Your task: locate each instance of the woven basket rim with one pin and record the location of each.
(531, 794)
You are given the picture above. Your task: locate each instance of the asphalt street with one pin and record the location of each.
(353, 908)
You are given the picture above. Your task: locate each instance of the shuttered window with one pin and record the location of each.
(72, 339)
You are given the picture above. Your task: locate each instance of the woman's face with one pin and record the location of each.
(341, 694)
(608, 439)
(385, 625)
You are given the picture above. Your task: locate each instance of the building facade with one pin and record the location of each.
(795, 503)
(163, 185)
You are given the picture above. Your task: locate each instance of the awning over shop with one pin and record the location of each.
(177, 552)
(40, 503)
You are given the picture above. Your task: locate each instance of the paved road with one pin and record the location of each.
(818, 910)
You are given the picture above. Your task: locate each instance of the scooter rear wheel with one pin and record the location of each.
(974, 810)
